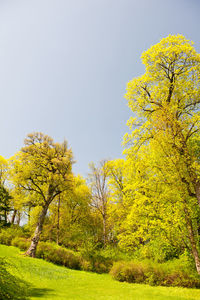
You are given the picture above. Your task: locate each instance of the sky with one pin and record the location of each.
(64, 66)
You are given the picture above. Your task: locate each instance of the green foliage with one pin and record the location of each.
(92, 260)
(8, 234)
(42, 169)
(5, 205)
(89, 259)
(58, 255)
(128, 271)
(70, 210)
(173, 273)
(96, 262)
(20, 242)
(11, 287)
(114, 253)
(97, 259)
(48, 281)
(162, 175)
(158, 250)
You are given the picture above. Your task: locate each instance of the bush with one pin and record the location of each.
(8, 234)
(128, 271)
(115, 254)
(154, 274)
(58, 255)
(93, 260)
(21, 243)
(86, 265)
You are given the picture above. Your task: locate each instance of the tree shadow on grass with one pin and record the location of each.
(39, 292)
(15, 288)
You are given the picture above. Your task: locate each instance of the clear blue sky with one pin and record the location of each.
(64, 65)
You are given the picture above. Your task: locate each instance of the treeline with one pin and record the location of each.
(146, 205)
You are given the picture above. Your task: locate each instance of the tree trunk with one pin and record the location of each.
(58, 221)
(29, 214)
(5, 217)
(104, 231)
(34, 242)
(13, 216)
(191, 236)
(194, 251)
(18, 217)
(197, 191)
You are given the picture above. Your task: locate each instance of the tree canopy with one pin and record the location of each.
(44, 169)
(164, 141)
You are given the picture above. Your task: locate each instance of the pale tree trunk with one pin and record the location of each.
(34, 242)
(194, 249)
(104, 230)
(18, 217)
(13, 216)
(29, 214)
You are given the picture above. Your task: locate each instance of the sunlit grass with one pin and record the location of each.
(48, 281)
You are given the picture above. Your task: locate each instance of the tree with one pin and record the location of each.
(5, 203)
(100, 194)
(3, 170)
(156, 207)
(69, 219)
(165, 101)
(43, 169)
(116, 173)
(118, 170)
(19, 202)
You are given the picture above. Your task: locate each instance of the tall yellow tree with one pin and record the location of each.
(165, 101)
(43, 169)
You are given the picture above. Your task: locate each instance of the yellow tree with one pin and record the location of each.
(5, 198)
(165, 101)
(118, 186)
(70, 215)
(3, 170)
(43, 169)
(159, 206)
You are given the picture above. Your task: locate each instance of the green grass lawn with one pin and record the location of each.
(48, 281)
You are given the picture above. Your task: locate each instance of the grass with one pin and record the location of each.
(48, 281)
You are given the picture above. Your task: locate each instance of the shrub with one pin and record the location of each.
(58, 255)
(93, 260)
(8, 234)
(154, 274)
(21, 243)
(128, 271)
(86, 265)
(6, 237)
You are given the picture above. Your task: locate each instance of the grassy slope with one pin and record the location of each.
(53, 282)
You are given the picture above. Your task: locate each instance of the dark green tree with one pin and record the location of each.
(5, 205)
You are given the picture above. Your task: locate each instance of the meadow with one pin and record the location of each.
(44, 280)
